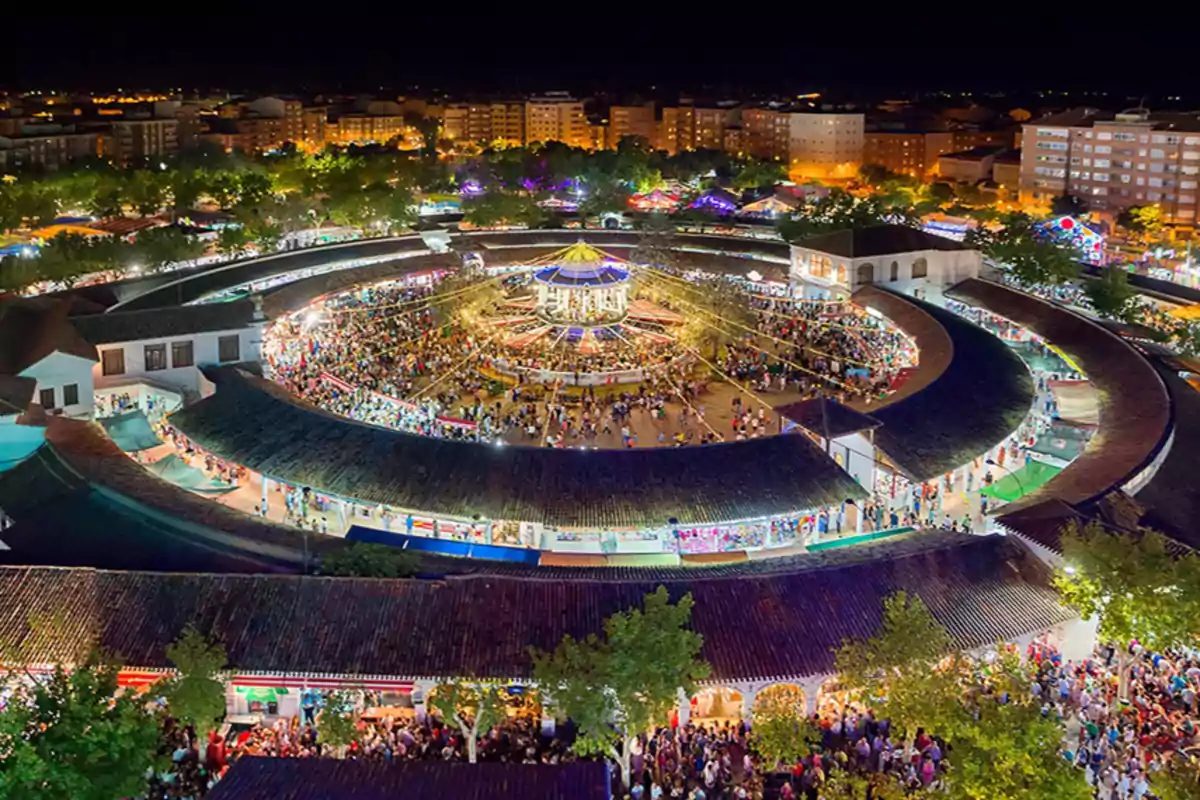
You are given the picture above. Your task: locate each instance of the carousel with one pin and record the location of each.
(581, 285)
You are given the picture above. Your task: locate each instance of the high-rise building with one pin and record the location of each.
(902, 152)
(825, 144)
(631, 121)
(1114, 161)
(766, 133)
(368, 128)
(48, 147)
(556, 117)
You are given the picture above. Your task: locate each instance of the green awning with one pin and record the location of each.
(131, 431)
(173, 469)
(1021, 482)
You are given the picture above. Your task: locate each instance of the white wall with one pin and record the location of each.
(58, 370)
(204, 353)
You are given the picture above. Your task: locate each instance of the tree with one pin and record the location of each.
(1135, 585)
(195, 694)
(234, 240)
(1144, 222)
(1067, 205)
(618, 687)
(604, 198)
(1112, 297)
(1179, 780)
(365, 560)
(71, 734)
(157, 248)
(337, 722)
(1006, 749)
(502, 208)
(782, 733)
(474, 709)
(146, 191)
(759, 174)
(1028, 256)
(900, 670)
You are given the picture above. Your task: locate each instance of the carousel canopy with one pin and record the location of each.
(581, 265)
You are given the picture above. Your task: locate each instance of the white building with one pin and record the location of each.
(825, 145)
(167, 347)
(38, 342)
(905, 259)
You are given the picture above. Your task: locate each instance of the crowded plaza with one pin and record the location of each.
(587, 351)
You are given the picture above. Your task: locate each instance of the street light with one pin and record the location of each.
(992, 462)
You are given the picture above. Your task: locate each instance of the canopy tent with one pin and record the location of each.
(1021, 482)
(1077, 402)
(174, 470)
(1062, 443)
(1187, 313)
(131, 431)
(18, 443)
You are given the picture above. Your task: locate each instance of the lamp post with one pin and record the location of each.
(992, 462)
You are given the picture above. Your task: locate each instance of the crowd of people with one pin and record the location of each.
(394, 355)
(1119, 747)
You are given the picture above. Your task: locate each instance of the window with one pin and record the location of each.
(1058, 133)
(1103, 148)
(156, 357)
(1100, 176)
(181, 354)
(1099, 190)
(229, 348)
(1104, 136)
(112, 362)
(1156, 152)
(71, 394)
(1125, 137)
(1101, 162)
(46, 398)
(1191, 155)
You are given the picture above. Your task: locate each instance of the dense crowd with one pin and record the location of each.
(388, 355)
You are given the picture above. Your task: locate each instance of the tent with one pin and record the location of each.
(1021, 482)
(174, 470)
(1062, 443)
(131, 431)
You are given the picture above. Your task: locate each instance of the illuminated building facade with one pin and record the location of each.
(556, 117)
(825, 145)
(630, 121)
(1114, 161)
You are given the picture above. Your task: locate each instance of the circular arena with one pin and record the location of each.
(561, 422)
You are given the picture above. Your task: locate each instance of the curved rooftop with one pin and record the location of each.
(639, 487)
(969, 394)
(1135, 409)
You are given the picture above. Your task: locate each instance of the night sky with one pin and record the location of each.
(852, 51)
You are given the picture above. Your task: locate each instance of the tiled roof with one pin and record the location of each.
(164, 323)
(877, 240)
(1135, 409)
(641, 487)
(253, 778)
(81, 501)
(30, 331)
(947, 423)
(821, 415)
(983, 589)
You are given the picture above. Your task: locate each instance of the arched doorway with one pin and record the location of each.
(894, 274)
(841, 274)
(779, 699)
(833, 700)
(717, 704)
(920, 268)
(866, 274)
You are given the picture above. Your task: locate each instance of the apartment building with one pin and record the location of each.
(556, 117)
(676, 131)
(825, 144)
(136, 139)
(508, 123)
(368, 128)
(467, 122)
(709, 128)
(1114, 161)
(916, 153)
(47, 147)
(766, 133)
(631, 121)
